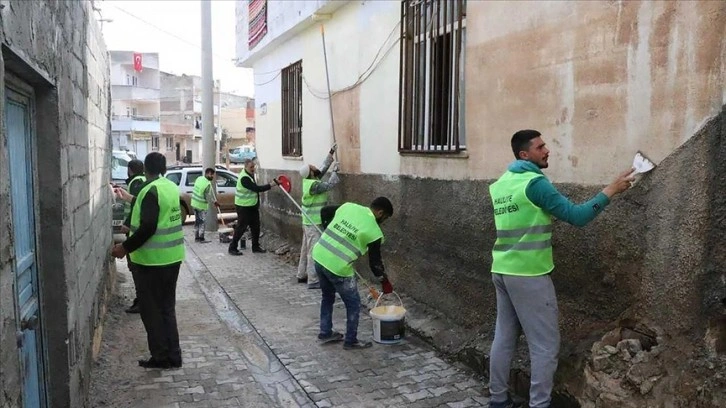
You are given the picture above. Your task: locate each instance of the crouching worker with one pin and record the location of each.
(351, 231)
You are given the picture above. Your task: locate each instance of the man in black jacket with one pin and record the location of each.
(247, 204)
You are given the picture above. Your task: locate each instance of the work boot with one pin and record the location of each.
(302, 280)
(234, 252)
(357, 345)
(506, 404)
(134, 308)
(152, 363)
(259, 250)
(315, 285)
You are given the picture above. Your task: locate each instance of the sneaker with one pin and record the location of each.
(506, 404)
(334, 336)
(358, 345)
(302, 280)
(315, 285)
(234, 252)
(259, 250)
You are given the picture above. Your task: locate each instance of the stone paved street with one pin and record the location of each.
(249, 339)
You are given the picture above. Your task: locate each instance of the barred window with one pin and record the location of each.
(431, 107)
(292, 110)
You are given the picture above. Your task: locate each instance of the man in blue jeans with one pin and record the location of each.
(524, 203)
(351, 230)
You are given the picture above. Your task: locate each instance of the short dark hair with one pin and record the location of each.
(522, 140)
(136, 166)
(383, 203)
(248, 161)
(155, 163)
(209, 170)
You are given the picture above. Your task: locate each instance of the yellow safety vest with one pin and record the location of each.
(346, 239)
(166, 246)
(524, 231)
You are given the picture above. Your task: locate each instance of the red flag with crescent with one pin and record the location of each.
(137, 62)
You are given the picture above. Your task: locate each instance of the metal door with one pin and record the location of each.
(19, 138)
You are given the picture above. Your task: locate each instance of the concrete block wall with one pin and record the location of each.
(58, 49)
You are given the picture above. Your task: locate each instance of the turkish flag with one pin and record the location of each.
(137, 62)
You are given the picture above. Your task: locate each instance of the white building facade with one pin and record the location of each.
(135, 91)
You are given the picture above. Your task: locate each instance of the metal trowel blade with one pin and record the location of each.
(642, 164)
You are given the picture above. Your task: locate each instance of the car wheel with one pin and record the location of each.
(184, 213)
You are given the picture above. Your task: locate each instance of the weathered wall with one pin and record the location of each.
(57, 48)
(654, 257)
(600, 79)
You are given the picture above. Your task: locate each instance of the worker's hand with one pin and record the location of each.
(123, 194)
(276, 181)
(386, 286)
(216, 204)
(336, 167)
(125, 229)
(118, 251)
(333, 148)
(620, 184)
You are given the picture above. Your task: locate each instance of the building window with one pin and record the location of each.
(292, 110)
(134, 80)
(155, 143)
(431, 108)
(169, 144)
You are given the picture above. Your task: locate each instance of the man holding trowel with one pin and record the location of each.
(351, 230)
(524, 203)
(314, 197)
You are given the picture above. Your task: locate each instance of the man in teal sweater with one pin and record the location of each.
(524, 202)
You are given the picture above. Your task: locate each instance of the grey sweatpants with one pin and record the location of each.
(528, 304)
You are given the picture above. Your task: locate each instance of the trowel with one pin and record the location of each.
(642, 164)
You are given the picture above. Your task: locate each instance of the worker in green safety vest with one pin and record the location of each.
(134, 183)
(202, 196)
(524, 202)
(247, 204)
(351, 230)
(314, 198)
(156, 247)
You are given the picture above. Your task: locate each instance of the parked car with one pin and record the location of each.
(240, 154)
(185, 176)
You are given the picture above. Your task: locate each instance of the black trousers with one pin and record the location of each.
(157, 298)
(133, 268)
(247, 217)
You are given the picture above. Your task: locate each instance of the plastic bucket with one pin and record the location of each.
(388, 322)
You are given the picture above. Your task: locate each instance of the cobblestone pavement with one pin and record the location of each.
(286, 315)
(248, 333)
(213, 374)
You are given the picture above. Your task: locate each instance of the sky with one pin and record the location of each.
(173, 29)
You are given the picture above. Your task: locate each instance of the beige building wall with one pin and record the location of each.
(600, 80)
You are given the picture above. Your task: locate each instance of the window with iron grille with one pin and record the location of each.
(431, 108)
(292, 110)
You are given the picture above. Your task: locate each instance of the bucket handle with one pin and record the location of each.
(383, 294)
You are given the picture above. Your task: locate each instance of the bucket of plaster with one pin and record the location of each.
(388, 321)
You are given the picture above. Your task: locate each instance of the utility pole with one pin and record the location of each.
(208, 156)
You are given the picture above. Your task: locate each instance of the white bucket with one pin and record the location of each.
(388, 322)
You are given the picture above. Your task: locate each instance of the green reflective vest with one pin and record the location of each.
(346, 239)
(166, 246)
(244, 197)
(199, 199)
(524, 231)
(127, 205)
(312, 203)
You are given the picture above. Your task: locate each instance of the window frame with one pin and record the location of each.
(431, 110)
(292, 109)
